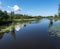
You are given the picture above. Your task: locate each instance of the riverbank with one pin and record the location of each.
(33, 19)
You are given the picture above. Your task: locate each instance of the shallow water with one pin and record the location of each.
(38, 34)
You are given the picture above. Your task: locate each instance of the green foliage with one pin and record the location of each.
(3, 16)
(56, 16)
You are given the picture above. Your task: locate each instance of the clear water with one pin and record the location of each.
(32, 35)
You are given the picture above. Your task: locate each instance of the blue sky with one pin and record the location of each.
(31, 7)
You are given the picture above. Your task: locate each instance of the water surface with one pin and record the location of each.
(40, 34)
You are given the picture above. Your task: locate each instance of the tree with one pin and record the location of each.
(11, 15)
(3, 16)
(56, 16)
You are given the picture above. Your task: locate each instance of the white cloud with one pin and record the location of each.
(14, 8)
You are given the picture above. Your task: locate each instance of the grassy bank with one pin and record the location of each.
(32, 19)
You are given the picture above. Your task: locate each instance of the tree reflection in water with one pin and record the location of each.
(11, 29)
(3, 30)
(54, 28)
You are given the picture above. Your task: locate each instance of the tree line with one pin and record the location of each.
(5, 16)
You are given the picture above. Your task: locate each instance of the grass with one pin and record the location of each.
(25, 19)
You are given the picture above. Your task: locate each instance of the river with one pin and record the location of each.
(40, 34)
